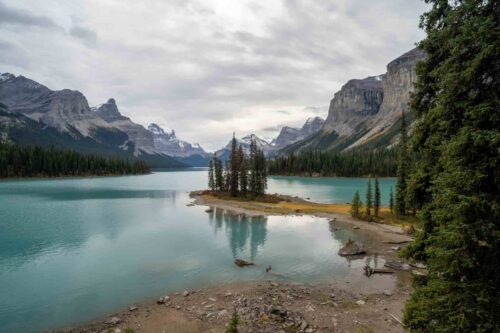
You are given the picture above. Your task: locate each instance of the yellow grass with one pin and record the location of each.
(287, 206)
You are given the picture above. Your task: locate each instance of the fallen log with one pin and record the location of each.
(370, 271)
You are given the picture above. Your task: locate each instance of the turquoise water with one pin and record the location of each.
(74, 249)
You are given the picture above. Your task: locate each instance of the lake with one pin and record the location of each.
(72, 250)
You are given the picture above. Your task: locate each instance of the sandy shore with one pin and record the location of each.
(369, 304)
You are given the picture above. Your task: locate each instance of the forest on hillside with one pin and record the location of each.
(380, 163)
(18, 161)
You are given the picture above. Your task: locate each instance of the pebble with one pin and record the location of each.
(211, 299)
(133, 308)
(113, 321)
(360, 302)
(387, 293)
(185, 293)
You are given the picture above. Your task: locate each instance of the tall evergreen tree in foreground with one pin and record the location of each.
(402, 168)
(376, 204)
(218, 174)
(457, 139)
(369, 198)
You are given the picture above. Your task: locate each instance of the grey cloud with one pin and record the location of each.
(88, 36)
(13, 16)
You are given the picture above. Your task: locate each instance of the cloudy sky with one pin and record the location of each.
(206, 67)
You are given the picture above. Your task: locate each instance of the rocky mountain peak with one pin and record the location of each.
(157, 130)
(109, 111)
(166, 142)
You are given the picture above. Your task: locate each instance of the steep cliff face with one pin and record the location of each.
(356, 100)
(397, 84)
(65, 110)
(366, 113)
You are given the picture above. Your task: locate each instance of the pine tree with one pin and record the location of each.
(233, 170)
(232, 326)
(369, 198)
(402, 169)
(391, 202)
(219, 178)
(456, 136)
(253, 169)
(243, 177)
(356, 205)
(211, 179)
(376, 205)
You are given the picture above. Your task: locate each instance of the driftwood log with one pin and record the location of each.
(369, 271)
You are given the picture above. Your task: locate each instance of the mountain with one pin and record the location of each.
(168, 143)
(366, 113)
(289, 135)
(35, 115)
(245, 141)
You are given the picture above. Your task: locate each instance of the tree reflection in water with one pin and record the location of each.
(244, 232)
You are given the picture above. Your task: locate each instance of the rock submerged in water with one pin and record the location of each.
(352, 248)
(242, 263)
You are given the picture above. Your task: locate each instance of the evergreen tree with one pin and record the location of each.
(254, 179)
(219, 178)
(233, 170)
(369, 198)
(356, 205)
(402, 169)
(232, 326)
(211, 178)
(243, 176)
(376, 205)
(391, 202)
(456, 137)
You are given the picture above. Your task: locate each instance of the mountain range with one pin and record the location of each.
(363, 114)
(366, 113)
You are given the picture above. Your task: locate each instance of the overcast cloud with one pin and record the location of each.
(207, 67)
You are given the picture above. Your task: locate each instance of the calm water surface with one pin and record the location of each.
(74, 249)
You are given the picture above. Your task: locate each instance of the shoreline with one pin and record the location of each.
(275, 304)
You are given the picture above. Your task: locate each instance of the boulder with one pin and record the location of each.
(352, 248)
(113, 321)
(242, 263)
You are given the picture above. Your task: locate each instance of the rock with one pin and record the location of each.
(117, 330)
(228, 294)
(398, 265)
(190, 204)
(387, 292)
(222, 314)
(133, 308)
(211, 299)
(185, 293)
(113, 321)
(396, 248)
(242, 263)
(352, 248)
(303, 325)
(355, 227)
(274, 284)
(163, 300)
(360, 302)
(210, 210)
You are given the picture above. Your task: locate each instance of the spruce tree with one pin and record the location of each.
(219, 178)
(356, 205)
(456, 136)
(233, 170)
(232, 326)
(369, 198)
(391, 202)
(253, 169)
(243, 174)
(402, 168)
(211, 179)
(376, 204)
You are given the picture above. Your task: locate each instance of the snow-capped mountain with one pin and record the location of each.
(245, 141)
(168, 143)
(289, 135)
